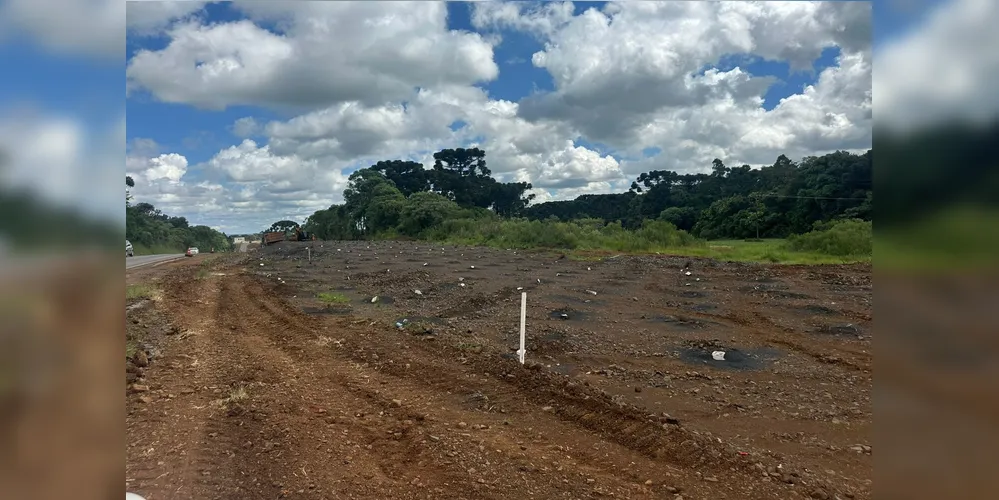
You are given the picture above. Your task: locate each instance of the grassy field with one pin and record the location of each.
(960, 238)
(836, 242)
(768, 250)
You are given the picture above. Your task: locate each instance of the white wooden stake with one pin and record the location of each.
(523, 325)
(310, 253)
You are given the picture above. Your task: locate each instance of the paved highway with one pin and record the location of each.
(146, 260)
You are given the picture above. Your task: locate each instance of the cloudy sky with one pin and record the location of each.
(239, 114)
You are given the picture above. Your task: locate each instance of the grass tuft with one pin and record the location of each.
(137, 292)
(332, 298)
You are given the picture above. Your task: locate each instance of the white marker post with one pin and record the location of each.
(523, 325)
(310, 254)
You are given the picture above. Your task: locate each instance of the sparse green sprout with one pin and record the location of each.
(136, 292)
(332, 298)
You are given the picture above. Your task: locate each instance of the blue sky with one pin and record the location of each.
(200, 134)
(90, 89)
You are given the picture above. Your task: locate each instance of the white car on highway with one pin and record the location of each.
(128, 249)
(191, 252)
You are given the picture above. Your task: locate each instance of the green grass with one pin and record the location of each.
(136, 292)
(589, 240)
(774, 251)
(332, 298)
(131, 346)
(958, 238)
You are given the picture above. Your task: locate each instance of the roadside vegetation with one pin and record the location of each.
(139, 291)
(331, 298)
(153, 232)
(814, 211)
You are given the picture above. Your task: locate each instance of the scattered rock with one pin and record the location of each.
(140, 388)
(140, 358)
(396, 403)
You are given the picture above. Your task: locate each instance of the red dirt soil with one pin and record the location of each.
(256, 388)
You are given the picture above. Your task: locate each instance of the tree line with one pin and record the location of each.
(405, 199)
(152, 231)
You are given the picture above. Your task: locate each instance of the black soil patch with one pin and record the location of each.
(817, 309)
(703, 307)
(840, 329)
(338, 311)
(678, 322)
(700, 353)
(567, 314)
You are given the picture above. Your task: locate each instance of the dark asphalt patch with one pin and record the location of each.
(566, 314)
(735, 359)
(840, 329)
(337, 311)
(817, 309)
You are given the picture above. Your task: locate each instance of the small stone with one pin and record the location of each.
(638, 389)
(396, 403)
(547, 408)
(145, 399)
(711, 479)
(140, 388)
(140, 358)
(462, 425)
(672, 489)
(819, 494)
(648, 482)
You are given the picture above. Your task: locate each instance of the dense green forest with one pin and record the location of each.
(458, 200)
(152, 231)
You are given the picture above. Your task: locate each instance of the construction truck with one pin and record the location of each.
(302, 235)
(272, 237)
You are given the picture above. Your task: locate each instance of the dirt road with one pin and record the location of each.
(256, 389)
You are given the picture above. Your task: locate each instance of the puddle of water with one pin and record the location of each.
(735, 359)
(690, 294)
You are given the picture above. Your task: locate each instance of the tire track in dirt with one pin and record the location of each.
(180, 415)
(580, 408)
(859, 362)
